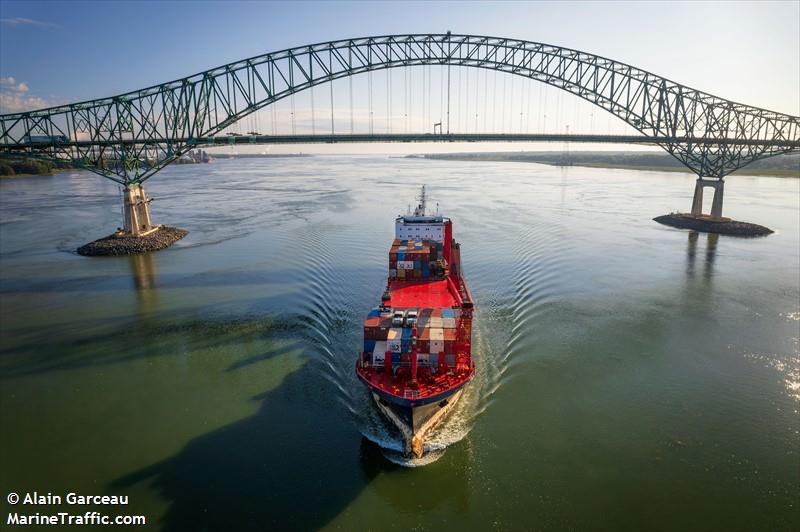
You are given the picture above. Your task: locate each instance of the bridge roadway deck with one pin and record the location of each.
(396, 137)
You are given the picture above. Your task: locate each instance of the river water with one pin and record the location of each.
(630, 376)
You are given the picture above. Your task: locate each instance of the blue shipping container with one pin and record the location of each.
(369, 346)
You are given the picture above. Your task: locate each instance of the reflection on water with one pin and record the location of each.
(143, 268)
(143, 272)
(620, 362)
(711, 241)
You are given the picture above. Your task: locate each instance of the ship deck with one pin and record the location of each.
(421, 294)
(428, 386)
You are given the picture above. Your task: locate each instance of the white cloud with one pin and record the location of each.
(17, 103)
(14, 97)
(22, 21)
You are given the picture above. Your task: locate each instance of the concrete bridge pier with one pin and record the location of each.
(136, 211)
(716, 205)
(137, 234)
(713, 222)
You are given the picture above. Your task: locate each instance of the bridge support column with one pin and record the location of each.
(137, 234)
(136, 211)
(716, 205)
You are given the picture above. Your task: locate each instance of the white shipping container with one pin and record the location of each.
(437, 346)
(379, 353)
(435, 323)
(449, 323)
(380, 347)
(394, 340)
(422, 359)
(405, 264)
(437, 334)
(392, 272)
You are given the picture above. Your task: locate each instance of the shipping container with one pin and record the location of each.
(394, 340)
(378, 353)
(369, 345)
(377, 331)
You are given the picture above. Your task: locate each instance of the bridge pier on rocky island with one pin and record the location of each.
(137, 234)
(712, 222)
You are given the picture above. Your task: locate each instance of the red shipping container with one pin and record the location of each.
(375, 333)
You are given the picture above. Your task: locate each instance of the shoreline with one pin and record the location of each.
(751, 172)
(51, 174)
(754, 172)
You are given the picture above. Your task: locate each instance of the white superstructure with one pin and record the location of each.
(419, 225)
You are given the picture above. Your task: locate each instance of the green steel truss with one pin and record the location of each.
(130, 137)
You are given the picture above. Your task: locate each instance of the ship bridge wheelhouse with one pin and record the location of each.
(420, 228)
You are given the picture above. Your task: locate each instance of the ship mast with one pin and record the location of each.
(420, 210)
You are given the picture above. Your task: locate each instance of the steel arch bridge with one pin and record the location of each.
(130, 137)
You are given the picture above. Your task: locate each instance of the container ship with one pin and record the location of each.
(417, 355)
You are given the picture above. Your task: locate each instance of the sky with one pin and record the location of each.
(64, 51)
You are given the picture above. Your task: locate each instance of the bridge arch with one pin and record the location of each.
(129, 137)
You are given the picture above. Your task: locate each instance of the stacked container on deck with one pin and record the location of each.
(414, 260)
(436, 333)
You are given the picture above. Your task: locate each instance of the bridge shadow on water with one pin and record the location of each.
(293, 465)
